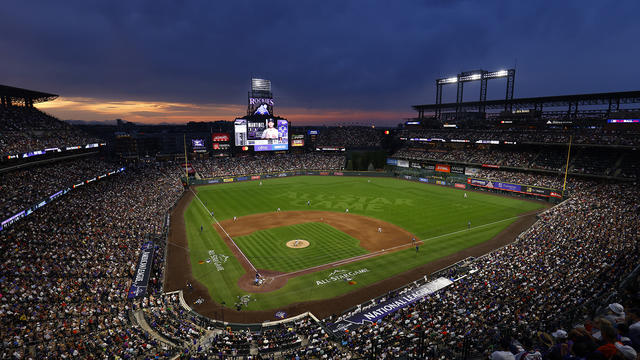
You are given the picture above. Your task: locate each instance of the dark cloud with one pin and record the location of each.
(337, 54)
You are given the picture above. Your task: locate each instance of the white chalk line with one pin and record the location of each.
(376, 253)
(225, 231)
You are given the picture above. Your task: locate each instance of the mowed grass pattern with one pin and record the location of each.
(437, 215)
(267, 249)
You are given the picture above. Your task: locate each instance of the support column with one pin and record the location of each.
(483, 93)
(459, 96)
(438, 99)
(511, 79)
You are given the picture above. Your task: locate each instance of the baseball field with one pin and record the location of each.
(297, 233)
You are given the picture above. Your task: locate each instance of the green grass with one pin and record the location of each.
(266, 249)
(437, 215)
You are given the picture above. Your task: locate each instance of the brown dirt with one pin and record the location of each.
(297, 244)
(178, 269)
(363, 228)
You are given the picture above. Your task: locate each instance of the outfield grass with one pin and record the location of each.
(437, 215)
(266, 249)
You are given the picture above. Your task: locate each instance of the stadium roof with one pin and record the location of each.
(19, 95)
(612, 99)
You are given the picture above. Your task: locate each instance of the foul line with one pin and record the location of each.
(365, 256)
(225, 232)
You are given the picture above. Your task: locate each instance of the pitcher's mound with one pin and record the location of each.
(297, 244)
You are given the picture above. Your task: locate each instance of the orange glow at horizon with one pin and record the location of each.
(158, 112)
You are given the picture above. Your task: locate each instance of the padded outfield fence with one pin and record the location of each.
(274, 175)
(454, 178)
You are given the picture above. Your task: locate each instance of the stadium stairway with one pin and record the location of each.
(138, 317)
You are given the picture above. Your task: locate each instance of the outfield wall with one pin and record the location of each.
(465, 178)
(230, 179)
(443, 175)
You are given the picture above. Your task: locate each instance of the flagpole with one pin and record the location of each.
(566, 169)
(184, 141)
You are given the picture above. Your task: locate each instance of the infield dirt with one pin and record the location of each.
(363, 228)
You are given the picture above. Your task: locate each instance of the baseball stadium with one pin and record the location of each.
(504, 228)
(305, 251)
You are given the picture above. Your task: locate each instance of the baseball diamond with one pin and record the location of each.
(249, 230)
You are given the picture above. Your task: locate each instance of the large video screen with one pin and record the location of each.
(197, 143)
(264, 135)
(220, 141)
(297, 140)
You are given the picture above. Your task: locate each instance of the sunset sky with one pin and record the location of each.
(330, 62)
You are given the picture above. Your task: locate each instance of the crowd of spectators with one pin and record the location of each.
(351, 137)
(23, 188)
(234, 166)
(549, 159)
(65, 270)
(583, 161)
(26, 129)
(577, 253)
(171, 322)
(277, 338)
(630, 166)
(594, 162)
(201, 339)
(470, 156)
(579, 136)
(524, 178)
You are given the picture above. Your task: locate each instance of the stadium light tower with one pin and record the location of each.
(476, 75)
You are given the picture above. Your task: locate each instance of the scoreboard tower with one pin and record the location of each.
(260, 129)
(260, 98)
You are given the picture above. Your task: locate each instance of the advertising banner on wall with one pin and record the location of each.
(220, 137)
(457, 169)
(143, 271)
(376, 312)
(523, 189)
(471, 171)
